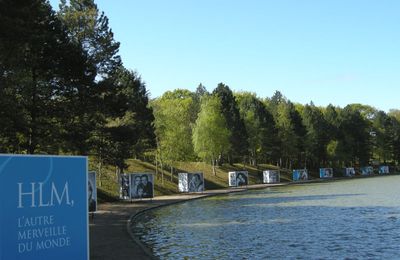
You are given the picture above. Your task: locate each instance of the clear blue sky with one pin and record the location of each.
(325, 51)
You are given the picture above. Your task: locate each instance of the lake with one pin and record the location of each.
(354, 219)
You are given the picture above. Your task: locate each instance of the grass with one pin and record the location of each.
(108, 187)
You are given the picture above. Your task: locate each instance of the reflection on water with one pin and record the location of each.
(354, 219)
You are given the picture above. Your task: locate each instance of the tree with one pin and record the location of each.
(316, 138)
(211, 137)
(235, 123)
(175, 115)
(395, 116)
(200, 92)
(36, 55)
(291, 133)
(273, 103)
(396, 135)
(89, 28)
(383, 134)
(260, 126)
(355, 136)
(128, 130)
(333, 149)
(395, 113)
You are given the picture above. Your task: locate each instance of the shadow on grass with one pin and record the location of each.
(104, 196)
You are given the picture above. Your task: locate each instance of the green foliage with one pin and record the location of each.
(235, 123)
(175, 113)
(273, 103)
(127, 130)
(62, 86)
(260, 126)
(211, 137)
(316, 138)
(383, 136)
(38, 63)
(291, 133)
(395, 113)
(63, 89)
(396, 135)
(354, 136)
(89, 29)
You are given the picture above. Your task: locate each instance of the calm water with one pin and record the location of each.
(353, 219)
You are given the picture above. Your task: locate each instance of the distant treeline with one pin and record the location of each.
(223, 126)
(64, 90)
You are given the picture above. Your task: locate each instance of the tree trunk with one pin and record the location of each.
(116, 173)
(287, 163)
(172, 172)
(33, 110)
(99, 170)
(162, 172)
(161, 162)
(156, 166)
(213, 166)
(253, 160)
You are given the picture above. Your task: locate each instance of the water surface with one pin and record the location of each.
(353, 219)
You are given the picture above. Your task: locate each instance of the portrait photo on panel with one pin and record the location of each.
(383, 169)
(183, 183)
(349, 172)
(141, 185)
(232, 179)
(326, 173)
(367, 170)
(300, 175)
(124, 186)
(92, 192)
(271, 176)
(303, 175)
(196, 182)
(241, 178)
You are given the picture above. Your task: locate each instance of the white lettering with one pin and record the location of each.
(32, 194)
(55, 197)
(51, 243)
(22, 247)
(41, 196)
(54, 193)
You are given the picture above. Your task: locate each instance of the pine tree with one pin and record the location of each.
(34, 50)
(230, 110)
(261, 129)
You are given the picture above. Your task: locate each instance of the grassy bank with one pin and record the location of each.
(166, 184)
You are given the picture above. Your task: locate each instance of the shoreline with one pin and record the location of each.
(111, 236)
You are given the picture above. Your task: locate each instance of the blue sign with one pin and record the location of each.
(43, 207)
